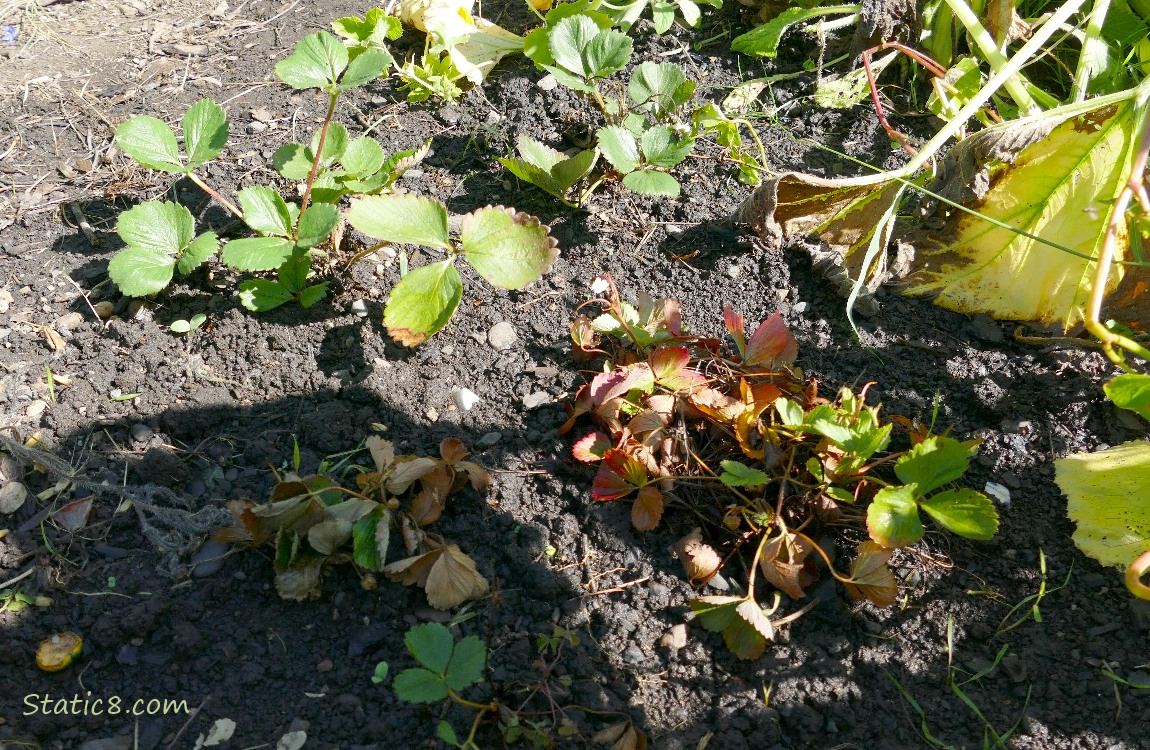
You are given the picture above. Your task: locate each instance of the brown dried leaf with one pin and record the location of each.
(871, 578)
(479, 477)
(700, 560)
(382, 452)
(782, 563)
(716, 405)
(454, 580)
(452, 450)
(647, 510)
(407, 470)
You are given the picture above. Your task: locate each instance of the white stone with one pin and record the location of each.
(999, 492)
(12, 496)
(465, 398)
(502, 336)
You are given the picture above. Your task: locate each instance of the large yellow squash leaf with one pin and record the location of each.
(1060, 187)
(1055, 178)
(1108, 495)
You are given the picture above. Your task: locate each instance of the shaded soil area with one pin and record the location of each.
(222, 406)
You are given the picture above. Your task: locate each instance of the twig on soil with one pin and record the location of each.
(621, 587)
(191, 717)
(82, 222)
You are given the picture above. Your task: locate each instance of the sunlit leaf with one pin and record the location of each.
(647, 510)
(509, 249)
(700, 560)
(782, 563)
(1108, 494)
(1130, 391)
(422, 302)
(964, 511)
(205, 132)
(870, 577)
(892, 517)
(771, 345)
(933, 463)
(591, 448)
(405, 219)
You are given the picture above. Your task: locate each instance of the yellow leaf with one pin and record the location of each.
(57, 652)
(541, 6)
(1061, 186)
(1108, 497)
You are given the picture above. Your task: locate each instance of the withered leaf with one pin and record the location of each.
(590, 448)
(871, 578)
(700, 560)
(407, 470)
(447, 574)
(382, 452)
(782, 563)
(647, 510)
(479, 477)
(452, 450)
(622, 736)
(329, 535)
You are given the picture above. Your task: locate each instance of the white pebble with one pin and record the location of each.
(999, 492)
(465, 398)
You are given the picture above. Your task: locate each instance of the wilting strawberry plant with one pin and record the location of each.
(314, 523)
(734, 434)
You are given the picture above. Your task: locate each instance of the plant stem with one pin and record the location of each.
(210, 191)
(992, 54)
(1091, 43)
(1000, 77)
(315, 162)
(1132, 187)
(755, 565)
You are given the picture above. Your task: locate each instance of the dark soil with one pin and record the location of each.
(221, 405)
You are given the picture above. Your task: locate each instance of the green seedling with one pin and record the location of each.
(51, 380)
(186, 326)
(641, 160)
(379, 674)
(581, 53)
(507, 248)
(551, 171)
(663, 12)
(434, 76)
(160, 235)
(658, 90)
(447, 667)
(1033, 601)
(893, 516)
(124, 397)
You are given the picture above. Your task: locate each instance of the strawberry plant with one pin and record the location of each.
(313, 523)
(739, 426)
(507, 248)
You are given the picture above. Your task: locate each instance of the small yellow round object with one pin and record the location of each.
(57, 652)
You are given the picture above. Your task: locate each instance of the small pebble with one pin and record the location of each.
(800, 307)
(325, 666)
(432, 414)
(675, 638)
(999, 492)
(547, 83)
(536, 399)
(490, 439)
(734, 270)
(69, 321)
(502, 336)
(634, 655)
(257, 127)
(115, 393)
(359, 307)
(209, 558)
(141, 433)
(12, 497)
(36, 408)
(465, 399)
(493, 118)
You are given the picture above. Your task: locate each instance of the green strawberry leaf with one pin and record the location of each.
(422, 302)
(404, 219)
(205, 132)
(198, 251)
(736, 474)
(363, 157)
(317, 62)
(508, 249)
(293, 161)
(257, 253)
(265, 212)
(933, 463)
(139, 271)
(652, 182)
(420, 686)
(964, 511)
(316, 224)
(892, 517)
(151, 142)
(261, 295)
(619, 147)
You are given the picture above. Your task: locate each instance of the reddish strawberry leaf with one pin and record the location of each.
(619, 475)
(590, 448)
(772, 344)
(736, 326)
(647, 510)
